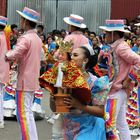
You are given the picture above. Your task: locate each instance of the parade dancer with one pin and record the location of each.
(133, 108)
(75, 24)
(4, 67)
(123, 59)
(27, 51)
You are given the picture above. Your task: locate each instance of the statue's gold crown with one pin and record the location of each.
(64, 46)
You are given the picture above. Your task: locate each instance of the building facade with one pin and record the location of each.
(3, 7)
(129, 9)
(53, 11)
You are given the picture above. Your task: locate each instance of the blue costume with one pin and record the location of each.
(79, 125)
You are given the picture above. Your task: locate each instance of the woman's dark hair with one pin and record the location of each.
(40, 26)
(87, 31)
(68, 56)
(13, 26)
(127, 21)
(93, 33)
(63, 30)
(92, 59)
(44, 41)
(2, 27)
(48, 38)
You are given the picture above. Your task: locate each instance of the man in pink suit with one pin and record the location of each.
(123, 59)
(27, 51)
(75, 24)
(4, 66)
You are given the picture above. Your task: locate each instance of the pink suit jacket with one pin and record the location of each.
(77, 38)
(125, 58)
(28, 52)
(4, 66)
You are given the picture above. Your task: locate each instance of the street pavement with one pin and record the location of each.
(12, 131)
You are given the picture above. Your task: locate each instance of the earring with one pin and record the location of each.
(83, 65)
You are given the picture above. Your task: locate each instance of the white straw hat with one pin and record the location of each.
(29, 14)
(3, 20)
(137, 24)
(114, 25)
(75, 20)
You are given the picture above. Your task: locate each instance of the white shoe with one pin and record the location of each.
(1, 124)
(138, 132)
(134, 132)
(55, 116)
(47, 117)
(51, 120)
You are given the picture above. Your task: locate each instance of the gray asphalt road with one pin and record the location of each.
(12, 131)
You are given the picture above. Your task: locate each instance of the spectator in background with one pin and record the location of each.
(95, 45)
(127, 38)
(63, 33)
(56, 33)
(52, 47)
(87, 33)
(14, 35)
(43, 38)
(48, 41)
(137, 19)
(126, 24)
(133, 40)
(40, 29)
(43, 52)
(92, 35)
(137, 32)
(101, 40)
(14, 29)
(136, 47)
